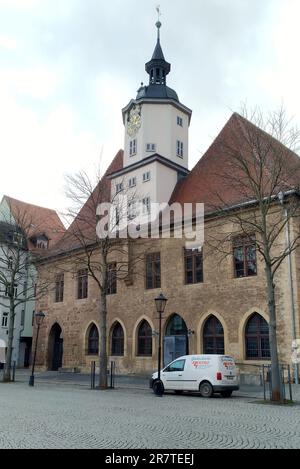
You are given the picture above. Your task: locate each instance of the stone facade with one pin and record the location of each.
(231, 300)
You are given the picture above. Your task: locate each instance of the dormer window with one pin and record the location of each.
(119, 187)
(151, 147)
(146, 176)
(179, 121)
(132, 147)
(42, 242)
(132, 182)
(17, 238)
(179, 150)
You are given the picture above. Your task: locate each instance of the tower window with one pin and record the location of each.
(132, 182)
(179, 121)
(179, 151)
(158, 76)
(4, 319)
(146, 176)
(132, 210)
(132, 147)
(151, 147)
(146, 206)
(119, 187)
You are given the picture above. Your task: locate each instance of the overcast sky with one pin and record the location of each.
(67, 67)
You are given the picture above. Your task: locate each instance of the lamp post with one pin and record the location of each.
(160, 303)
(39, 318)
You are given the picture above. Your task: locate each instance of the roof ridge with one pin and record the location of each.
(28, 203)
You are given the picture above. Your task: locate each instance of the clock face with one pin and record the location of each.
(134, 121)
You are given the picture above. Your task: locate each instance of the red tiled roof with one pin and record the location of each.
(84, 224)
(204, 184)
(207, 183)
(36, 220)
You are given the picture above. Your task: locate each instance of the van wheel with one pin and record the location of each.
(226, 393)
(206, 389)
(158, 388)
(178, 391)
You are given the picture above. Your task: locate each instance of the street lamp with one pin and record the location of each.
(39, 318)
(160, 303)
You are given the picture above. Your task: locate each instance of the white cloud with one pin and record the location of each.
(20, 4)
(68, 67)
(39, 82)
(8, 42)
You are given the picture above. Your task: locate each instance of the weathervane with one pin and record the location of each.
(158, 23)
(158, 11)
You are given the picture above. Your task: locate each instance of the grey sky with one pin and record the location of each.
(67, 67)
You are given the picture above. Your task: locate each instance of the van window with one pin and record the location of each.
(176, 366)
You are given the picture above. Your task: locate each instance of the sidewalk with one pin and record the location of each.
(140, 382)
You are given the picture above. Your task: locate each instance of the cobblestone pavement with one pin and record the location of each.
(65, 416)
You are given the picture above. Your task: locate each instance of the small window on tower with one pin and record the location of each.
(119, 187)
(132, 182)
(150, 147)
(146, 176)
(179, 121)
(4, 320)
(146, 206)
(179, 151)
(132, 147)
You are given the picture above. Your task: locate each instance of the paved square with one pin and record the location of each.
(52, 415)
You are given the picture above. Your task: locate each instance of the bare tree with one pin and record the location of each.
(18, 281)
(260, 172)
(96, 253)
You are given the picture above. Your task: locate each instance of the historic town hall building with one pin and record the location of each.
(216, 304)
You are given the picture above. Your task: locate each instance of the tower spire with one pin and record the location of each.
(158, 68)
(158, 23)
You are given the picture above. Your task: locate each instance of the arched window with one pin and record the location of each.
(213, 336)
(93, 340)
(257, 338)
(144, 337)
(176, 326)
(117, 340)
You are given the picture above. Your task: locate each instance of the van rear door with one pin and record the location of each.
(228, 369)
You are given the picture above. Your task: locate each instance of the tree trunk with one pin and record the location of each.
(7, 367)
(275, 371)
(103, 341)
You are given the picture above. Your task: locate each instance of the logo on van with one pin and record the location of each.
(201, 364)
(228, 363)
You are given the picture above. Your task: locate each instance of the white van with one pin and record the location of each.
(207, 374)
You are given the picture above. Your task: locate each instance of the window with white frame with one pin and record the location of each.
(10, 263)
(132, 182)
(4, 322)
(151, 147)
(119, 187)
(22, 317)
(179, 151)
(8, 290)
(17, 238)
(132, 210)
(146, 176)
(132, 147)
(179, 121)
(146, 205)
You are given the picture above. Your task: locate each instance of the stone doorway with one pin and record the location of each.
(176, 339)
(55, 348)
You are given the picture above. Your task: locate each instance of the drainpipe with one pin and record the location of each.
(290, 278)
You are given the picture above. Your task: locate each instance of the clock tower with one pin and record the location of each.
(156, 136)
